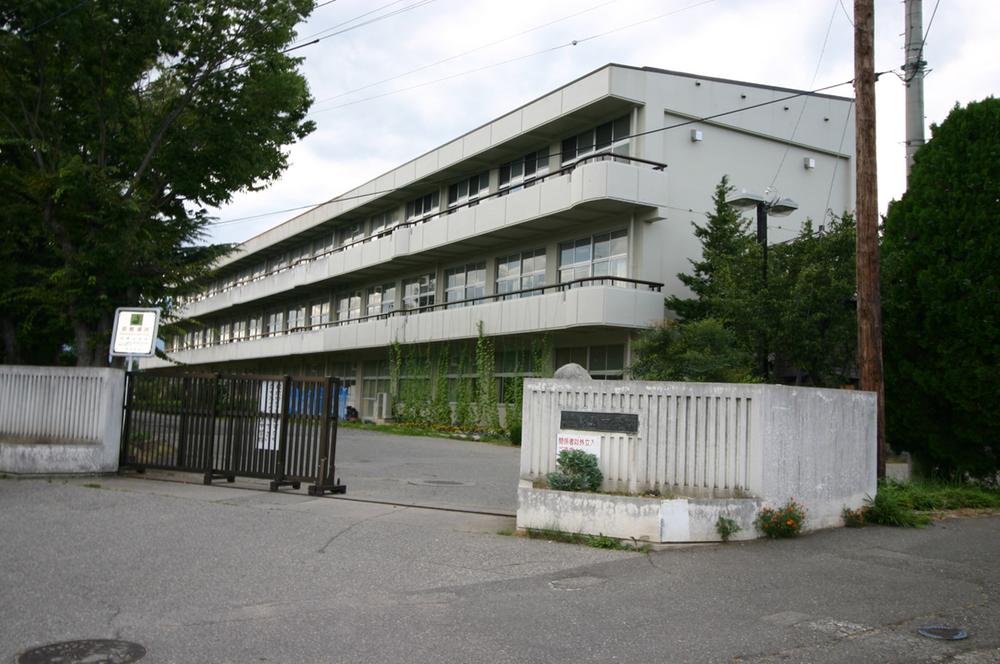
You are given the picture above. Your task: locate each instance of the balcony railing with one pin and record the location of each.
(617, 282)
(565, 170)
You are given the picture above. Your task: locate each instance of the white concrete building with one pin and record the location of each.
(568, 218)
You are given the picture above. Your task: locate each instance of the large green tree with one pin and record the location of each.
(803, 314)
(941, 252)
(120, 122)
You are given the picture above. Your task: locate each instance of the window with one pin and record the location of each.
(275, 323)
(602, 362)
(419, 292)
(422, 206)
(319, 313)
(514, 174)
(256, 327)
(521, 271)
(350, 233)
(604, 255)
(349, 306)
(384, 221)
(225, 332)
(296, 317)
(375, 380)
(381, 299)
(469, 190)
(596, 139)
(323, 244)
(239, 330)
(465, 283)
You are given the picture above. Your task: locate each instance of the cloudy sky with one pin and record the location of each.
(403, 77)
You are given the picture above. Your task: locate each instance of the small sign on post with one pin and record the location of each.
(134, 333)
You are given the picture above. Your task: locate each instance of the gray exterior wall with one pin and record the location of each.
(60, 420)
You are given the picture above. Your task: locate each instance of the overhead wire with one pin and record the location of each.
(677, 125)
(551, 49)
(468, 52)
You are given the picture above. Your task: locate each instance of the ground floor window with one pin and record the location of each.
(375, 381)
(602, 362)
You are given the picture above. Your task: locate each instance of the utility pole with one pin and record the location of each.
(867, 268)
(914, 76)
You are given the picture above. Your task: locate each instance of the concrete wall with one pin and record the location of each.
(703, 440)
(60, 420)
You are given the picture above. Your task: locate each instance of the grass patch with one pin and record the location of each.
(91, 485)
(429, 432)
(907, 504)
(596, 541)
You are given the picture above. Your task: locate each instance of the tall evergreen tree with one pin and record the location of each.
(941, 252)
(724, 238)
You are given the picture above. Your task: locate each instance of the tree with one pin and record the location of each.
(724, 238)
(120, 122)
(803, 314)
(941, 292)
(811, 294)
(702, 350)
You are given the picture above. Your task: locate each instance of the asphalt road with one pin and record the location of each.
(221, 574)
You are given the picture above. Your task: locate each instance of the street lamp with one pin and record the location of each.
(777, 206)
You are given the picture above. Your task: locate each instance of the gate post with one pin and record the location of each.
(208, 453)
(327, 444)
(185, 407)
(279, 471)
(127, 421)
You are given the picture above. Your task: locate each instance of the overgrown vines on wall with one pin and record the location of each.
(489, 416)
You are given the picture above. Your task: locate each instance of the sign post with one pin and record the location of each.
(134, 334)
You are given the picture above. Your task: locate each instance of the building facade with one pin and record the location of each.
(559, 226)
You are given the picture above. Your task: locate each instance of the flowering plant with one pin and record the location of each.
(785, 521)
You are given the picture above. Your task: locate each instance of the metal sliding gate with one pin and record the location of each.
(280, 428)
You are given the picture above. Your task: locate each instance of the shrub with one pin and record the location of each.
(726, 527)
(854, 518)
(888, 509)
(515, 434)
(786, 521)
(578, 471)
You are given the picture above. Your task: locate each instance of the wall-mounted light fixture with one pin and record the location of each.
(809, 163)
(696, 135)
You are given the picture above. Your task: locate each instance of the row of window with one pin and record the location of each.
(603, 254)
(512, 176)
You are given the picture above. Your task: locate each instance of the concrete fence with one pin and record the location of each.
(60, 419)
(716, 441)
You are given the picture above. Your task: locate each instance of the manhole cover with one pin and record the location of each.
(944, 633)
(439, 483)
(90, 651)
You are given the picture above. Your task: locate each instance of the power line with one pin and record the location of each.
(805, 102)
(465, 53)
(56, 17)
(623, 138)
(376, 19)
(568, 44)
(920, 54)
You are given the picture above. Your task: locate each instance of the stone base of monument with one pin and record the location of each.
(644, 519)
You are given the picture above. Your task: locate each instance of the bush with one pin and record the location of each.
(578, 471)
(515, 434)
(888, 509)
(726, 527)
(853, 518)
(785, 521)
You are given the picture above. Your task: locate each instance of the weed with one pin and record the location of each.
(786, 521)
(854, 518)
(888, 509)
(91, 485)
(596, 541)
(726, 527)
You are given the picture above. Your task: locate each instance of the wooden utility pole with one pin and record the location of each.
(867, 269)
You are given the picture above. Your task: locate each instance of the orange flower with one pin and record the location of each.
(789, 522)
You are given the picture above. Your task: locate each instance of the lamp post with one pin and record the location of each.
(779, 207)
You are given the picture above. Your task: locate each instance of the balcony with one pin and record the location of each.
(590, 302)
(594, 186)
